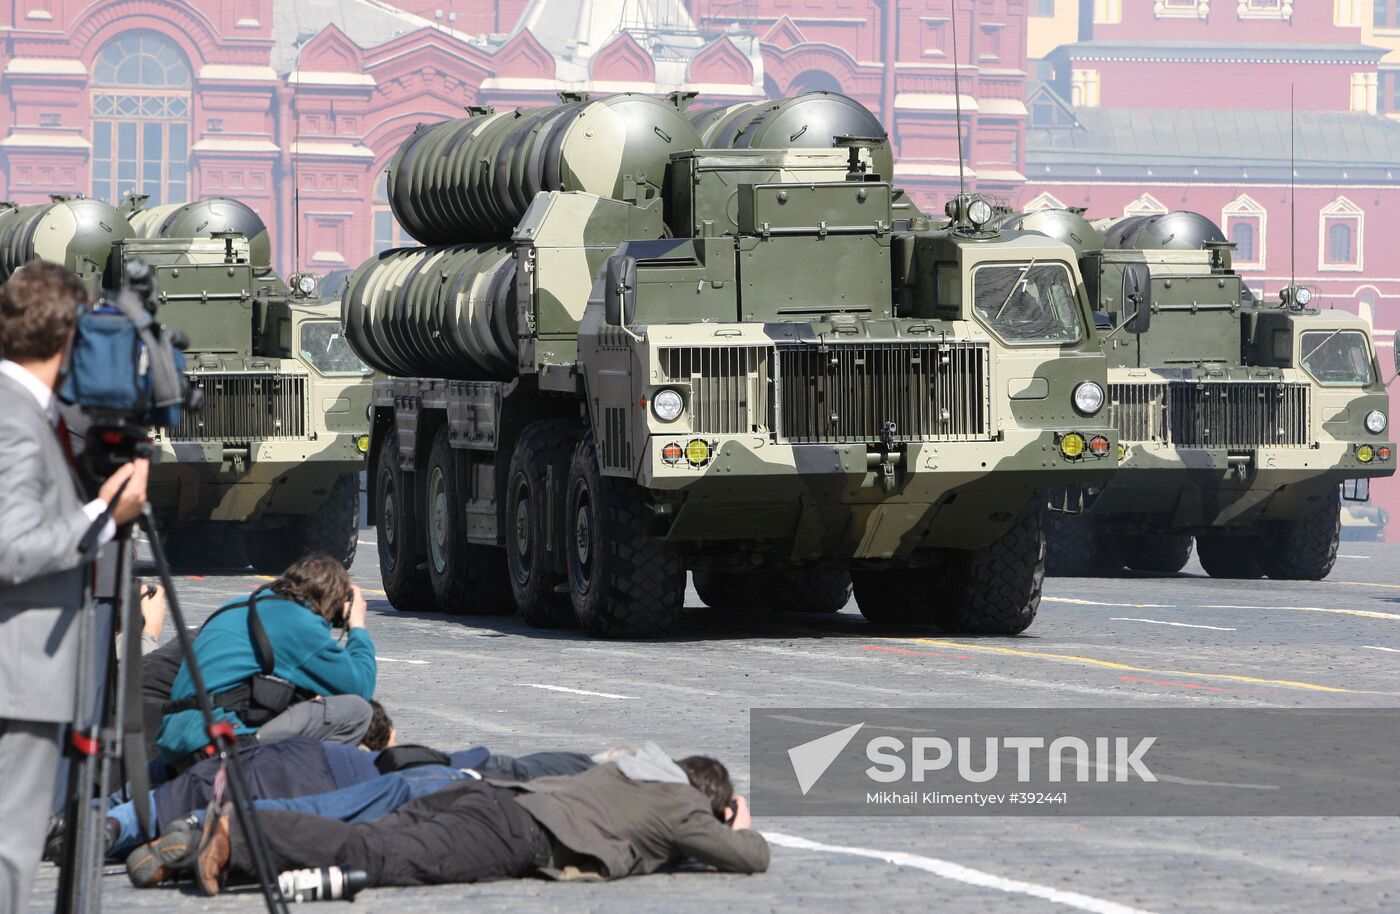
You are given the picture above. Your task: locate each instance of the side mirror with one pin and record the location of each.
(620, 290)
(1136, 304)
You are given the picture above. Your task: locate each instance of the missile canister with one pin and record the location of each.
(446, 312)
(1060, 224)
(472, 179)
(1180, 231)
(77, 232)
(809, 121)
(201, 219)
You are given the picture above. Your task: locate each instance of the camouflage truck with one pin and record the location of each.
(1240, 420)
(273, 458)
(622, 355)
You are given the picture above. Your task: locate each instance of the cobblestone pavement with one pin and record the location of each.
(453, 680)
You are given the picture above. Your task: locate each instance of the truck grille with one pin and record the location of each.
(1213, 414)
(245, 406)
(729, 386)
(845, 393)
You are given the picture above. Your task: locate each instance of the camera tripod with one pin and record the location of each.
(110, 733)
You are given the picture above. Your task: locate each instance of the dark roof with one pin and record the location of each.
(1197, 51)
(1250, 145)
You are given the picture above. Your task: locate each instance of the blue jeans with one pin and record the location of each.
(357, 803)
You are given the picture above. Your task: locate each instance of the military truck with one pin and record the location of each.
(1240, 419)
(621, 355)
(273, 458)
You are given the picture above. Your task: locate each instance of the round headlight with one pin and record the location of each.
(1375, 422)
(1088, 398)
(979, 213)
(1302, 295)
(306, 284)
(667, 404)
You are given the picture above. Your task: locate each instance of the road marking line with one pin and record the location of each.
(1367, 584)
(1201, 687)
(554, 688)
(1214, 628)
(900, 650)
(958, 873)
(1343, 555)
(397, 660)
(1075, 602)
(1362, 613)
(1376, 647)
(264, 577)
(1124, 667)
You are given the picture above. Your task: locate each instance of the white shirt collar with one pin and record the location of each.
(41, 392)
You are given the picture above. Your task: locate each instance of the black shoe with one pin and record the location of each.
(53, 839)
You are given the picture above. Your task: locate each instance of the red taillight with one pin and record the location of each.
(672, 453)
(1099, 445)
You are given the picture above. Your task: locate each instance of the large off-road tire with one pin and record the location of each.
(809, 590)
(1078, 547)
(533, 581)
(332, 529)
(996, 590)
(1229, 557)
(270, 550)
(404, 576)
(899, 596)
(203, 547)
(467, 578)
(1159, 553)
(623, 582)
(1304, 549)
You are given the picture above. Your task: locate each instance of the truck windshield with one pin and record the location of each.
(1026, 302)
(323, 344)
(1342, 359)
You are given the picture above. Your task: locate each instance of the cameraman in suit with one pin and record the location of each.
(44, 576)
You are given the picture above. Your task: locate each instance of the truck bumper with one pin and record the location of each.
(817, 502)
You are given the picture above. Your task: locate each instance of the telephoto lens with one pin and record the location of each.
(327, 883)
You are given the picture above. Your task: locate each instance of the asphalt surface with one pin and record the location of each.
(1183, 641)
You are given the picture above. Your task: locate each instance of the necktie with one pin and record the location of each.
(66, 442)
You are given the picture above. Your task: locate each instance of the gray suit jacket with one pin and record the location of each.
(41, 571)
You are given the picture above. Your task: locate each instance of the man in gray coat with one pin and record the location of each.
(43, 519)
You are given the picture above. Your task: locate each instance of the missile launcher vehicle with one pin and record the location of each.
(1243, 422)
(273, 458)
(625, 352)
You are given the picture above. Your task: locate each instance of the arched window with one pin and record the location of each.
(1242, 234)
(140, 119)
(1339, 243)
(387, 231)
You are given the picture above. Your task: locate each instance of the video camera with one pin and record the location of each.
(126, 370)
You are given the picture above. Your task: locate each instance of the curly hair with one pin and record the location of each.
(381, 727)
(38, 306)
(319, 582)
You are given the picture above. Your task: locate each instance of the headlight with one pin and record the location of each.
(362, 443)
(306, 284)
(1072, 445)
(667, 404)
(1375, 422)
(1088, 398)
(1365, 453)
(1303, 296)
(979, 212)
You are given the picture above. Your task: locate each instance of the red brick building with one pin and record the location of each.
(296, 106)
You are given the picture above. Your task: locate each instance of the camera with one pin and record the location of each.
(327, 883)
(126, 371)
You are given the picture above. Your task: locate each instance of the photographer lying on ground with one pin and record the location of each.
(272, 659)
(624, 818)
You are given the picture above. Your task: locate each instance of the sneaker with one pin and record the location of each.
(211, 860)
(163, 859)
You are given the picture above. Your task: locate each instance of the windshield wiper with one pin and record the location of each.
(1024, 270)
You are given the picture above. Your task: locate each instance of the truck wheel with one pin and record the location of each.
(405, 581)
(1160, 553)
(1304, 549)
(270, 551)
(624, 583)
(544, 444)
(334, 527)
(1078, 547)
(809, 590)
(996, 590)
(726, 590)
(202, 547)
(467, 578)
(1230, 557)
(899, 596)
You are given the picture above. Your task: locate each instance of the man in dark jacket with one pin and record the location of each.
(601, 824)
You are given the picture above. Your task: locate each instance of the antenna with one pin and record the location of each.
(957, 96)
(1292, 197)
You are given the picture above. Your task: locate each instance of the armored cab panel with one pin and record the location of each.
(704, 188)
(76, 232)
(203, 218)
(812, 120)
(473, 179)
(206, 288)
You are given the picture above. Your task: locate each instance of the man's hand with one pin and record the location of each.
(737, 815)
(126, 507)
(356, 608)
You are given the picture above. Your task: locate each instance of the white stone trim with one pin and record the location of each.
(329, 78)
(934, 101)
(1245, 207)
(1341, 210)
(1146, 205)
(45, 66)
(931, 170)
(1043, 200)
(1248, 9)
(1003, 107)
(1163, 10)
(340, 150)
(46, 141)
(209, 144)
(230, 71)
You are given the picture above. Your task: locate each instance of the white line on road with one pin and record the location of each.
(1362, 613)
(959, 873)
(397, 660)
(1343, 555)
(553, 688)
(1074, 602)
(1214, 628)
(1376, 647)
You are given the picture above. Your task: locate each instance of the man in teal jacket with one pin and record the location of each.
(295, 615)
